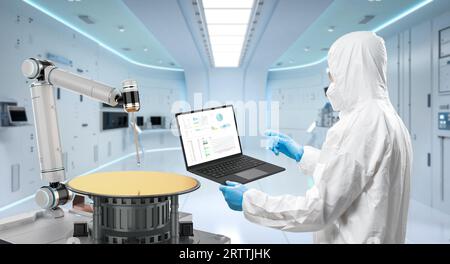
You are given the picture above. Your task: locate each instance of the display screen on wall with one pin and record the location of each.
(113, 120)
(444, 42)
(156, 120)
(140, 121)
(17, 114)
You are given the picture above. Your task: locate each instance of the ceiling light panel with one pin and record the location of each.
(227, 16)
(226, 59)
(227, 23)
(227, 30)
(226, 40)
(248, 4)
(227, 48)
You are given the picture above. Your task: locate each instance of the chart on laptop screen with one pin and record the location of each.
(209, 135)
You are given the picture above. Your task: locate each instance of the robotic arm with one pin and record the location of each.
(46, 76)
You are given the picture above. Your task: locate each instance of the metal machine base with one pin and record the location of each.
(39, 227)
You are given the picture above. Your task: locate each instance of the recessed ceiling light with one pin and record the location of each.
(307, 49)
(226, 59)
(226, 48)
(248, 4)
(145, 49)
(227, 25)
(226, 40)
(224, 30)
(227, 16)
(331, 29)
(121, 28)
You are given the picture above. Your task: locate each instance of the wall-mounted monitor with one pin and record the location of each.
(140, 121)
(17, 115)
(444, 43)
(4, 112)
(113, 120)
(156, 120)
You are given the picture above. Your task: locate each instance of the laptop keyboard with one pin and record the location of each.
(231, 166)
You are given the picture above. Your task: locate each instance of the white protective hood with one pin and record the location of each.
(357, 64)
(361, 173)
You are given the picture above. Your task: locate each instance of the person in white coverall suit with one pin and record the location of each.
(361, 173)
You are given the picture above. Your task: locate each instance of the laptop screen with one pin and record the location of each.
(208, 135)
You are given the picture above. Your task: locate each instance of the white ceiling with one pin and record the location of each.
(167, 23)
(167, 34)
(175, 25)
(112, 26)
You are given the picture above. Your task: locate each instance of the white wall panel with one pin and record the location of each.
(441, 138)
(393, 67)
(420, 111)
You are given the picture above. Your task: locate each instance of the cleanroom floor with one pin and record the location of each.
(211, 213)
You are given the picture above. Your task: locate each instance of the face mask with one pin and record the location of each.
(334, 97)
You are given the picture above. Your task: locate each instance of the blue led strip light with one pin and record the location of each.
(384, 25)
(87, 35)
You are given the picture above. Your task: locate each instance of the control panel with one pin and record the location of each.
(444, 121)
(442, 103)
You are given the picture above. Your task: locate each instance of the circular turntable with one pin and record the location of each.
(134, 206)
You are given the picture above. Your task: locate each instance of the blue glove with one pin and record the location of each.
(279, 142)
(234, 194)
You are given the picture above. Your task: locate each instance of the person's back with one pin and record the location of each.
(399, 177)
(379, 214)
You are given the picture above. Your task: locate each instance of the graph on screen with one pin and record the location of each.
(209, 135)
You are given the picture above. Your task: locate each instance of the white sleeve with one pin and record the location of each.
(286, 212)
(340, 181)
(339, 178)
(309, 160)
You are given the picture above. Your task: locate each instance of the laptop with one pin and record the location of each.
(212, 147)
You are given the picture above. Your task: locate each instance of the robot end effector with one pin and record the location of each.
(48, 75)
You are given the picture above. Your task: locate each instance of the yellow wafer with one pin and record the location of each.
(133, 184)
